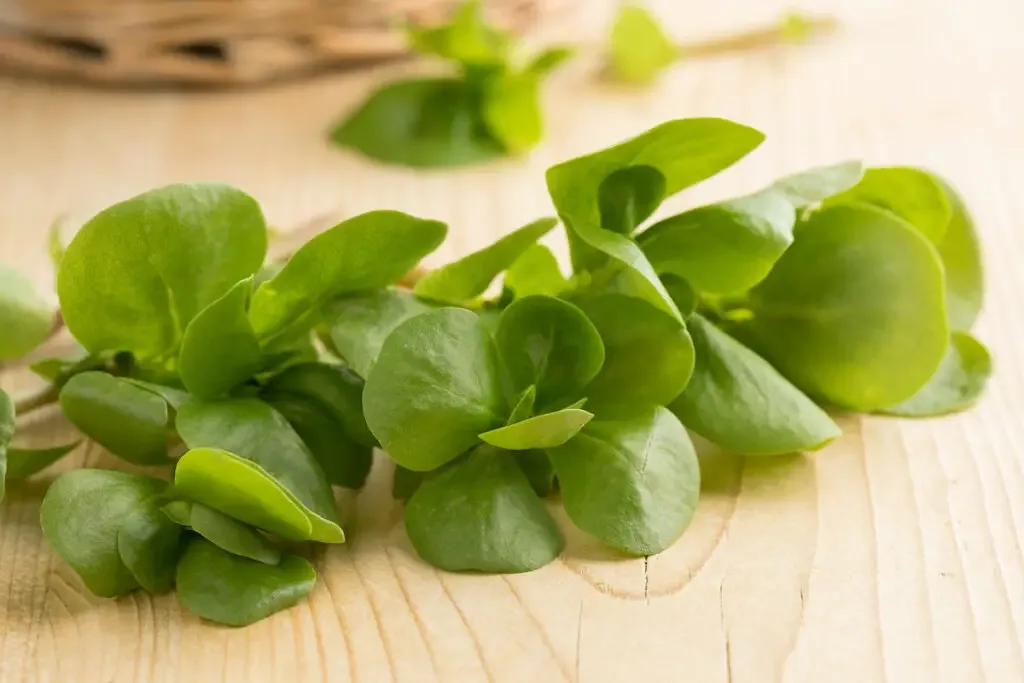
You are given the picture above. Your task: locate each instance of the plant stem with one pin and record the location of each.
(39, 399)
(765, 36)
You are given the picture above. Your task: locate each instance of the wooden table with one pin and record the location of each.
(893, 555)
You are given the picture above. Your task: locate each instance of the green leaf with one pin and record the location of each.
(468, 278)
(479, 513)
(512, 110)
(251, 429)
(422, 123)
(174, 397)
(243, 490)
(632, 483)
(639, 50)
(853, 313)
(466, 39)
(22, 463)
(149, 545)
(59, 369)
(956, 385)
(913, 194)
(337, 389)
(231, 535)
(541, 431)
(815, 185)
(536, 271)
(54, 244)
(25, 317)
(537, 467)
(682, 293)
(137, 273)
(648, 356)
(347, 258)
(549, 343)
(961, 256)
(357, 325)
(344, 462)
(740, 402)
(405, 483)
(237, 591)
(219, 349)
(81, 514)
(179, 512)
(126, 419)
(684, 151)
(627, 197)
(549, 59)
(723, 248)
(7, 420)
(524, 406)
(436, 385)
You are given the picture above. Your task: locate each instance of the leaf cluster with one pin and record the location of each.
(499, 385)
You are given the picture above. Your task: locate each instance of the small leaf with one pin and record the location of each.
(512, 110)
(815, 185)
(219, 349)
(479, 513)
(22, 463)
(25, 317)
(853, 312)
(467, 39)
(55, 244)
(435, 387)
(524, 406)
(179, 512)
(682, 293)
(241, 489)
(723, 248)
(549, 343)
(405, 483)
(346, 258)
(541, 431)
(639, 49)
(550, 59)
(126, 419)
(536, 271)
(231, 535)
(7, 420)
(648, 355)
(537, 467)
(468, 278)
(435, 122)
(961, 258)
(59, 369)
(237, 591)
(627, 197)
(632, 483)
(357, 325)
(251, 429)
(740, 402)
(81, 514)
(956, 385)
(684, 151)
(137, 273)
(149, 545)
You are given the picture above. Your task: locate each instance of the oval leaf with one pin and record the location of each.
(961, 257)
(22, 463)
(648, 355)
(231, 535)
(219, 349)
(479, 513)
(81, 514)
(435, 387)
(126, 419)
(853, 313)
(25, 317)
(639, 50)
(956, 385)
(549, 343)
(815, 185)
(241, 489)
(511, 110)
(468, 278)
(137, 273)
(434, 122)
(357, 325)
(541, 431)
(251, 429)
(632, 483)
(740, 402)
(237, 591)
(536, 271)
(347, 258)
(149, 545)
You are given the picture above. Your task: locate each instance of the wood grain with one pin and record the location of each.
(893, 555)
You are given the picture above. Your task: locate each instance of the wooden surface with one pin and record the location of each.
(893, 555)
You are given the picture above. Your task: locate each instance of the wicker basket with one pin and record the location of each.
(216, 42)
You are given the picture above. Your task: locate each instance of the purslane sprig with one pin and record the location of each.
(257, 386)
